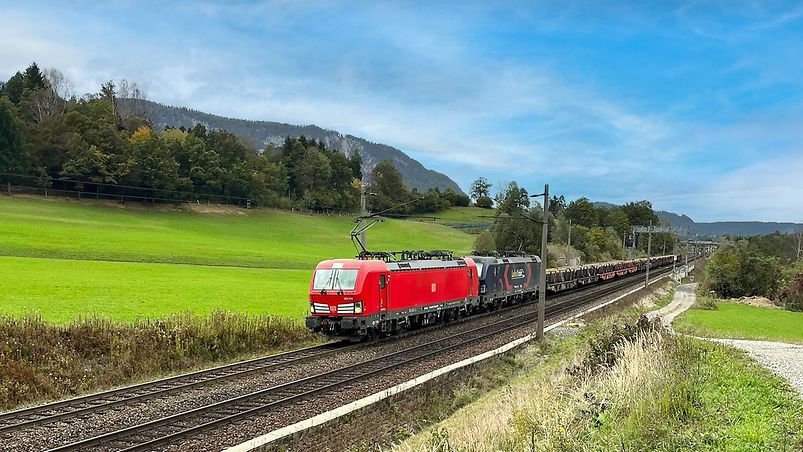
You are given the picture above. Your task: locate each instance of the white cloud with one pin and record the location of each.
(25, 41)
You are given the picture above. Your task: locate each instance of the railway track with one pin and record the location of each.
(173, 428)
(75, 407)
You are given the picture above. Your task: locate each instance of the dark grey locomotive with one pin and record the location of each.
(507, 279)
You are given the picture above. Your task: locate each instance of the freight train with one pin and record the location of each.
(375, 295)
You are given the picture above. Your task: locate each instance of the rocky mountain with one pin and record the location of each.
(262, 133)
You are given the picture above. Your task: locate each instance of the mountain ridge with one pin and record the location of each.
(719, 228)
(262, 133)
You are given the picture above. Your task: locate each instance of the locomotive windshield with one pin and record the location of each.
(335, 279)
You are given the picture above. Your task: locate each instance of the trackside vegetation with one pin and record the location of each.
(768, 266)
(42, 360)
(628, 388)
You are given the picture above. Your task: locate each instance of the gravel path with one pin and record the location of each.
(784, 360)
(684, 298)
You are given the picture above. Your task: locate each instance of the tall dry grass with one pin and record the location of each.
(610, 395)
(41, 360)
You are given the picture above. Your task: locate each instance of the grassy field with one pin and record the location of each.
(258, 238)
(738, 321)
(62, 258)
(463, 215)
(60, 290)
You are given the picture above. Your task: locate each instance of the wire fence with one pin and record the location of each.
(71, 188)
(59, 187)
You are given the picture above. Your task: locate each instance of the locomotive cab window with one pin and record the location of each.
(335, 279)
(383, 281)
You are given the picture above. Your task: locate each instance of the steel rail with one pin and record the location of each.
(73, 407)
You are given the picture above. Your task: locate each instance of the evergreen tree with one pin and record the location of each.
(12, 158)
(34, 79)
(14, 87)
(355, 161)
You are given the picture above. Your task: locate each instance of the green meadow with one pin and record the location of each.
(464, 215)
(63, 259)
(739, 321)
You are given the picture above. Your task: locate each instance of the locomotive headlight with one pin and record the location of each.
(358, 307)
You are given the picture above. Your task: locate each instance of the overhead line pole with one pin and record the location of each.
(542, 276)
(569, 244)
(649, 254)
(363, 213)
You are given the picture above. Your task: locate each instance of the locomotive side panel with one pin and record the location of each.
(420, 288)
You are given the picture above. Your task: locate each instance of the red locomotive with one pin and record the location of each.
(356, 298)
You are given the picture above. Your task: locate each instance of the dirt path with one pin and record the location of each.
(684, 298)
(784, 360)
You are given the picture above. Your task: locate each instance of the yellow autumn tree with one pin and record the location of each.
(141, 134)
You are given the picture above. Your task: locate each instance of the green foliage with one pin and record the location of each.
(582, 213)
(12, 159)
(640, 213)
(516, 226)
(485, 242)
(355, 162)
(88, 141)
(484, 202)
(782, 246)
(736, 271)
(480, 188)
(557, 205)
(792, 294)
(14, 87)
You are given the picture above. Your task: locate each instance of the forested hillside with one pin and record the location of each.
(50, 138)
(261, 134)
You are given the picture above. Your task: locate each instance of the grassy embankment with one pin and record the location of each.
(633, 389)
(62, 259)
(739, 321)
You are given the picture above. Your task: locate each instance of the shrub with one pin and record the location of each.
(792, 293)
(484, 242)
(484, 202)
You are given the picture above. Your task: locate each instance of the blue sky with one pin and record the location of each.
(696, 106)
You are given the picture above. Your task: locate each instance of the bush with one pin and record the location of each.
(792, 294)
(484, 202)
(734, 271)
(484, 242)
